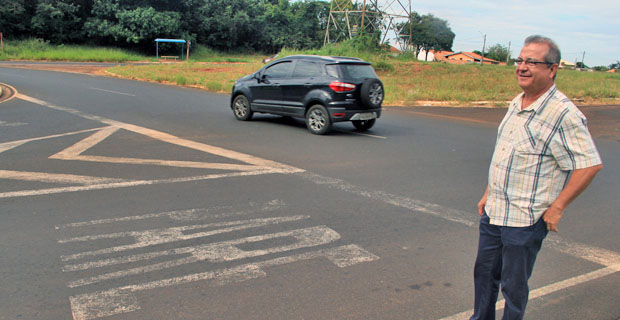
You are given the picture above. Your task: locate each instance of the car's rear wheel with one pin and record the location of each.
(317, 120)
(372, 93)
(363, 125)
(241, 108)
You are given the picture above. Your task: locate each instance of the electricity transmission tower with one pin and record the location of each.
(349, 18)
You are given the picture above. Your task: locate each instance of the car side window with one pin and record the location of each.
(278, 71)
(332, 70)
(306, 69)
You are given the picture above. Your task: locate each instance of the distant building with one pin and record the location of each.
(394, 50)
(469, 57)
(441, 55)
(566, 64)
(433, 55)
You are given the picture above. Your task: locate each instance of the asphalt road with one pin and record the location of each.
(128, 200)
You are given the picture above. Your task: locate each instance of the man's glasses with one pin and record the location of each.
(531, 63)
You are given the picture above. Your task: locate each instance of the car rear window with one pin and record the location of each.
(357, 71)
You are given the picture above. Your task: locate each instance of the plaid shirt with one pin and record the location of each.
(536, 150)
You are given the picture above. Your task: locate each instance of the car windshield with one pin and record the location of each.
(358, 71)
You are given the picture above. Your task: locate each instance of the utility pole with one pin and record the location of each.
(363, 15)
(582, 59)
(483, 45)
(508, 55)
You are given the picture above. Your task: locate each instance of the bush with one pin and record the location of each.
(383, 66)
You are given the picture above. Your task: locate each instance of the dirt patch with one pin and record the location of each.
(214, 70)
(87, 69)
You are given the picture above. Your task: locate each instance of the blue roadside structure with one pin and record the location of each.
(158, 40)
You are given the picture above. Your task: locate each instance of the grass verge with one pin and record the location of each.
(37, 49)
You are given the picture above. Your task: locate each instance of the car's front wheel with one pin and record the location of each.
(363, 125)
(317, 120)
(241, 108)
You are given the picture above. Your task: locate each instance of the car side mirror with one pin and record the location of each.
(262, 78)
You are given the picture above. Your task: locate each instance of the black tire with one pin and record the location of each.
(241, 108)
(317, 120)
(363, 125)
(372, 93)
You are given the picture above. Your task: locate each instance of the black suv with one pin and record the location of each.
(323, 90)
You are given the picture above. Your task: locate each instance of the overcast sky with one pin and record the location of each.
(591, 26)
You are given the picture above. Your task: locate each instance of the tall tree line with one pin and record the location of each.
(259, 25)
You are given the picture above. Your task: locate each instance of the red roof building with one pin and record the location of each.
(468, 57)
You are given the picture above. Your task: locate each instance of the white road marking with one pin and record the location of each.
(116, 92)
(162, 136)
(147, 238)
(120, 300)
(11, 124)
(361, 134)
(186, 215)
(74, 153)
(213, 252)
(134, 183)
(453, 215)
(55, 177)
(13, 144)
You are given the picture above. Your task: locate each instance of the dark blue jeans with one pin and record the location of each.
(506, 256)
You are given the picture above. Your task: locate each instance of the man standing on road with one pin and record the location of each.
(544, 158)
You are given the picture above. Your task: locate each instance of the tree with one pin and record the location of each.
(140, 26)
(308, 21)
(230, 24)
(497, 52)
(12, 17)
(581, 65)
(428, 33)
(600, 68)
(57, 21)
(615, 65)
(258, 25)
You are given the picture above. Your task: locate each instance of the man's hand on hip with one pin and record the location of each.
(483, 202)
(552, 218)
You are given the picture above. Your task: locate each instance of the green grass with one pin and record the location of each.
(37, 49)
(212, 76)
(201, 53)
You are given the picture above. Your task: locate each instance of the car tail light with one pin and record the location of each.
(342, 86)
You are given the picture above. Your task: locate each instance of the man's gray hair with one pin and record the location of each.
(554, 55)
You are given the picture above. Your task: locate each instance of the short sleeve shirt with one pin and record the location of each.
(535, 152)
